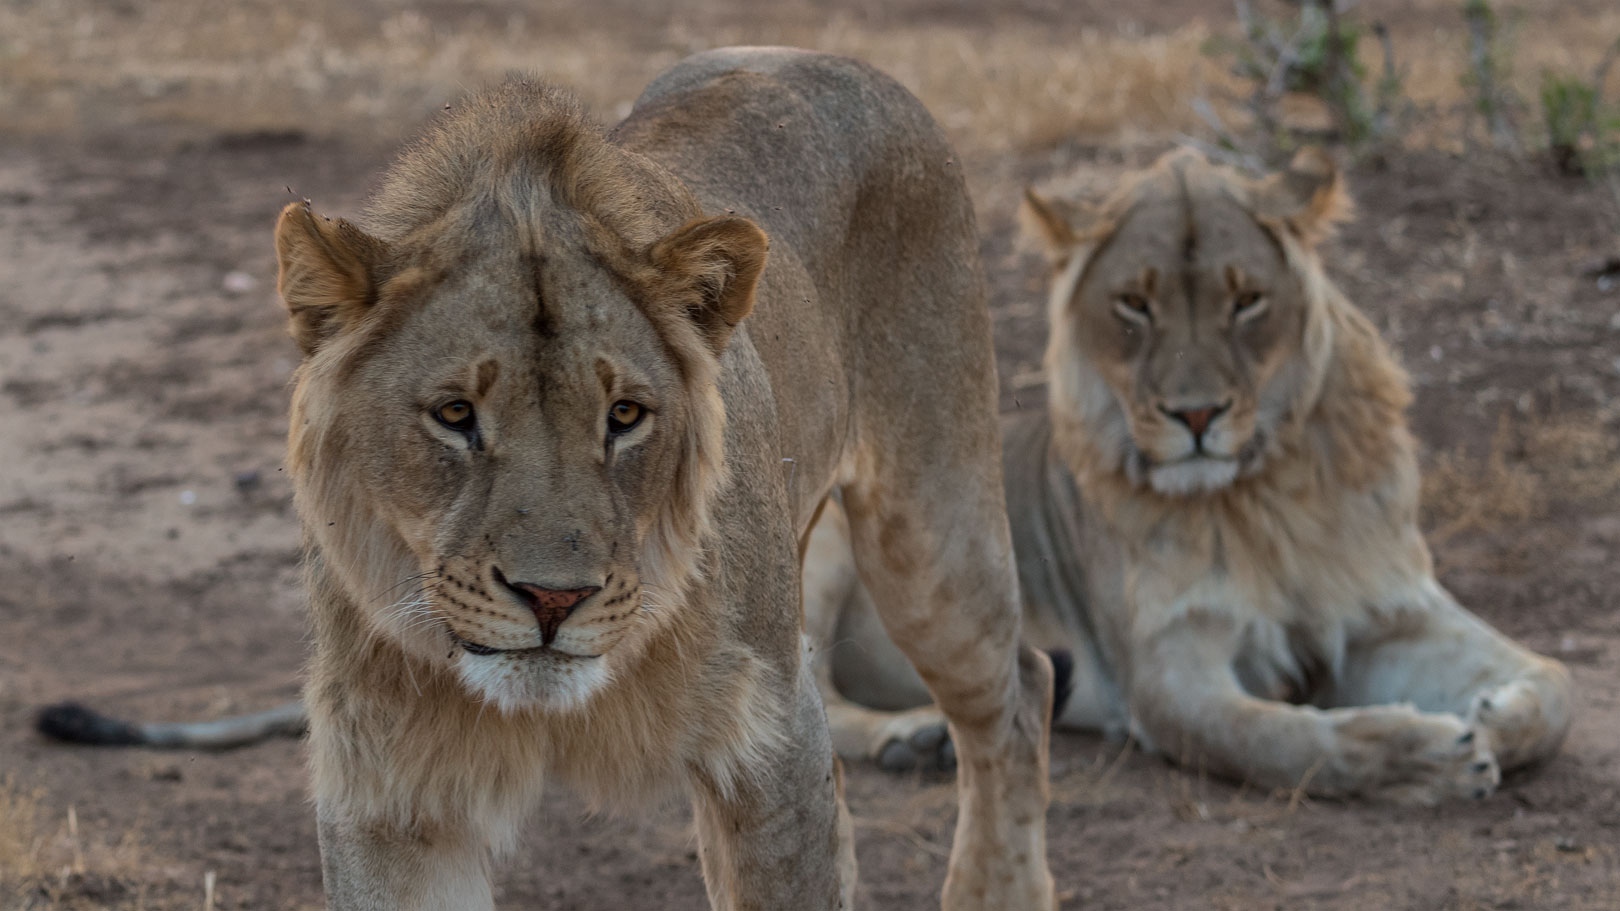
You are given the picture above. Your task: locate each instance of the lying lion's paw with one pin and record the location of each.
(927, 747)
(1423, 759)
(1506, 707)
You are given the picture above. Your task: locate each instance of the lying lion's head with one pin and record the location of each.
(506, 429)
(1186, 317)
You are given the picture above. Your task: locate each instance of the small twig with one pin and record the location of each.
(1492, 102)
(73, 836)
(1298, 795)
(1108, 773)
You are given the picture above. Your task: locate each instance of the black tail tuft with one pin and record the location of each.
(1062, 679)
(73, 723)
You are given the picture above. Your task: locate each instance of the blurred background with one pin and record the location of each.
(148, 550)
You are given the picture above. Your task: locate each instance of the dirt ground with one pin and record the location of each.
(148, 549)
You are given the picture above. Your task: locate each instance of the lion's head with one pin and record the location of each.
(506, 431)
(1187, 316)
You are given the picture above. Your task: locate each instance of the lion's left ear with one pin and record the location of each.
(724, 257)
(1309, 198)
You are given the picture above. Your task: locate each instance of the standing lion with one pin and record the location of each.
(1218, 518)
(560, 429)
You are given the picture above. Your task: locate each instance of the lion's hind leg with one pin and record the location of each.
(939, 569)
(1444, 659)
(841, 625)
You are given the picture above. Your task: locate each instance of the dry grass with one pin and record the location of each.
(20, 843)
(49, 861)
(298, 64)
(1530, 466)
(1539, 38)
(253, 66)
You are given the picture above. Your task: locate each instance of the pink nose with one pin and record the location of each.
(1197, 420)
(552, 606)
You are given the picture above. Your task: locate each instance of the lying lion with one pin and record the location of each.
(554, 485)
(1218, 519)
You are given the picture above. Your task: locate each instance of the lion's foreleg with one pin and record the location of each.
(1187, 702)
(1444, 659)
(376, 865)
(776, 835)
(409, 797)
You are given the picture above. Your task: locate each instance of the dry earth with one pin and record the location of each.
(148, 552)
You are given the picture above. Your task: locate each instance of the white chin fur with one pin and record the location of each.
(1179, 479)
(554, 682)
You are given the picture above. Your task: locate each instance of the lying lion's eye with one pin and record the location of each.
(624, 415)
(1248, 304)
(457, 415)
(1133, 307)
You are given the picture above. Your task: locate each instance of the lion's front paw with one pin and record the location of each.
(1407, 757)
(1511, 707)
(917, 739)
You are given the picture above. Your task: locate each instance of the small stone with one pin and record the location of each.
(188, 497)
(240, 282)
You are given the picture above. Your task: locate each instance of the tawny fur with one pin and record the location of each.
(1264, 607)
(524, 267)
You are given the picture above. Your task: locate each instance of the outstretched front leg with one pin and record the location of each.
(1187, 702)
(1441, 658)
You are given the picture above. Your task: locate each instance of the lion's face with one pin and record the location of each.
(522, 465)
(506, 454)
(1180, 326)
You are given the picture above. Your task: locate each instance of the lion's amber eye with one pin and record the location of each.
(624, 415)
(457, 415)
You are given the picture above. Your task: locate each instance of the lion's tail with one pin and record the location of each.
(74, 723)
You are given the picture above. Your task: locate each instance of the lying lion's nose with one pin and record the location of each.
(1198, 419)
(551, 606)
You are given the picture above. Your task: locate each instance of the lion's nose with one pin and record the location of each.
(551, 606)
(1198, 419)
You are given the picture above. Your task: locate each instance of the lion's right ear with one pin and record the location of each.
(328, 273)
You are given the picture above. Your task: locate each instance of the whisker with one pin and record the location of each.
(405, 581)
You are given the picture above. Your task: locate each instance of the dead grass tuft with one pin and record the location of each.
(20, 842)
(1530, 465)
(1462, 492)
(55, 862)
(1011, 89)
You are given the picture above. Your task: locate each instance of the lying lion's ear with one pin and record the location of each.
(1309, 198)
(327, 273)
(1048, 219)
(1062, 225)
(724, 257)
